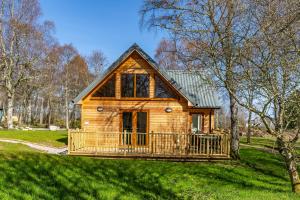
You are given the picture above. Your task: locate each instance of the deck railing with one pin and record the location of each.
(152, 144)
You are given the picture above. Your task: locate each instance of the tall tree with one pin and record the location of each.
(21, 41)
(68, 53)
(274, 56)
(213, 32)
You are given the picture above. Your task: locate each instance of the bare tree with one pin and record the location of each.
(166, 55)
(68, 53)
(274, 56)
(213, 32)
(97, 62)
(21, 41)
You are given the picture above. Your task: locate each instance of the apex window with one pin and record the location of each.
(108, 89)
(162, 90)
(135, 85)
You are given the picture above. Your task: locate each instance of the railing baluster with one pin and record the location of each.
(175, 144)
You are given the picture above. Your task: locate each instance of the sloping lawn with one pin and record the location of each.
(33, 175)
(50, 138)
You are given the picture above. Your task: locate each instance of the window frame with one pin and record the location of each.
(134, 86)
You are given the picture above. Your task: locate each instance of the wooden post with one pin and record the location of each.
(207, 146)
(69, 143)
(228, 145)
(210, 121)
(126, 142)
(151, 143)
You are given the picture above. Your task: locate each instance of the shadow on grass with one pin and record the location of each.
(60, 177)
(42, 176)
(63, 140)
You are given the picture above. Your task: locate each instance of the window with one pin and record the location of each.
(196, 123)
(162, 90)
(135, 85)
(127, 84)
(142, 85)
(108, 89)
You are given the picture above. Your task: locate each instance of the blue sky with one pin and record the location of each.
(106, 25)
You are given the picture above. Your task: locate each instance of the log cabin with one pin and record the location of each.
(137, 109)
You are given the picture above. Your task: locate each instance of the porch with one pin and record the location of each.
(187, 146)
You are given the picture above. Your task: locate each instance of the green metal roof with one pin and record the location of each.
(195, 88)
(188, 83)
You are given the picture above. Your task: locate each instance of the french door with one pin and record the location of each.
(134, 127)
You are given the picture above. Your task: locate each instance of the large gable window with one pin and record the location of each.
(135, 85)
(162, 90)
(108, 89)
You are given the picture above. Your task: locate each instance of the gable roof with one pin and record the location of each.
(187, 83)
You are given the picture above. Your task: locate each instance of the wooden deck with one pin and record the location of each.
(152, 145)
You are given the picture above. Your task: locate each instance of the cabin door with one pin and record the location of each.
(134, 128)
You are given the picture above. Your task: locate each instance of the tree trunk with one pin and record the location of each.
(235, 139)
(29, 112)
(49, 112)
(10, 106)
(42, 112)
(287, 153)
(20, 115)
(249, 128)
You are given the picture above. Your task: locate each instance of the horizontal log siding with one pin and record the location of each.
(179, 120)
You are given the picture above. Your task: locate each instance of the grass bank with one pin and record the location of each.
(26, 174)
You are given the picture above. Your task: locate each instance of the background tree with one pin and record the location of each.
(21, 41)
(79, 78)
(97, 62)
(166, 55)
(38, 76)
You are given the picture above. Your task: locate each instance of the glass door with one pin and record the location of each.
(127, 128)
(141, 128)
(134, 128)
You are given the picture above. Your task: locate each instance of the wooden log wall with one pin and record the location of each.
(179, 120)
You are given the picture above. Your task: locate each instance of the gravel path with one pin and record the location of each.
(50, 150)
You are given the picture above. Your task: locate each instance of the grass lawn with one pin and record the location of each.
(268, 142)
(26, 174)
(51, 138)
(15, 148)
(260, 141)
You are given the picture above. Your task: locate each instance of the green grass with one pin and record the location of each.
(15, 148)
(268, 142)
(260, 141)
(51, 138)
(32, 175)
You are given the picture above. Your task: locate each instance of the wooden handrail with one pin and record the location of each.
(175, 144)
